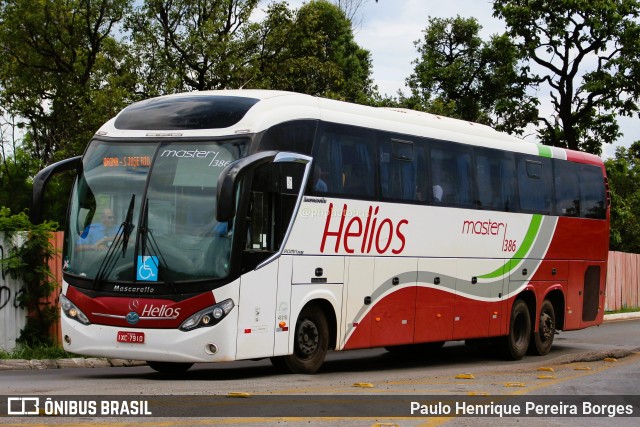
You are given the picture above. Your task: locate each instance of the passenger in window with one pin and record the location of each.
(437, 193)
(421, 193)
(355, 183)
(99, 235)
(318, 184)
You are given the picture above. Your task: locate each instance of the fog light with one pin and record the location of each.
(212, 348)
(67, 339)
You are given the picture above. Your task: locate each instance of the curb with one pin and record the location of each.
(622, 316)
(75, 362)
(102, 362)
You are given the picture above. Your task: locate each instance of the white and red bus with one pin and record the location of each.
(228, 225)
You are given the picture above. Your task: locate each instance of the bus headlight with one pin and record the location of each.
(209, 316)
(73, 312)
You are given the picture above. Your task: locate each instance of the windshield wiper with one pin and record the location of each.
(128, 225)
(149, 242)
(121, 239)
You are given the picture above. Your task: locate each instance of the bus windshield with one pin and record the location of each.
(146, 212)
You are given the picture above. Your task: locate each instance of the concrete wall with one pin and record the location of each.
(12, 318)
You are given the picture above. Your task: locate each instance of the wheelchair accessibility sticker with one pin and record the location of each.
(147, 268)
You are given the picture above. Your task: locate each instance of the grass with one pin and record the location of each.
(36, 352)
(623, 310)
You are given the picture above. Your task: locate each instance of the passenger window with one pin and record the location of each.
(344, 162)
(495, 174)
(567, 188)
(451, 176)
(296, 136)
(397, 169)
(534, 184)
(593, 196)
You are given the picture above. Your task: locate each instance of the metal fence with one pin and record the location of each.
(623, 281)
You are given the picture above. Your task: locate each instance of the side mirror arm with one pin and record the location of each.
(41, 180)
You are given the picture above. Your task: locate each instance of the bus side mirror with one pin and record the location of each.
(229, 178)
(41, 180)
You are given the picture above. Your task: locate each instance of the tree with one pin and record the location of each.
(313, 51)
(16, 167)
(352, 9)
(623, 172)
(460, 75)
(62, 70)
(185, 45)
(586, 52)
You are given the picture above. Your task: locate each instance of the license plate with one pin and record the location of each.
(131, 337)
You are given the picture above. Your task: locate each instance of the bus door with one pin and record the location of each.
(394, 301)
(478, 301)
(435, 299)
(265, 284)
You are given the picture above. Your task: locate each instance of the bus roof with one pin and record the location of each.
(262, 109)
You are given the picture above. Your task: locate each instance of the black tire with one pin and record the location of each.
(515, 345)
(542, 340)
(310, 344)
(169, 367)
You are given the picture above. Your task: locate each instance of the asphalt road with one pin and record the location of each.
(576, 366)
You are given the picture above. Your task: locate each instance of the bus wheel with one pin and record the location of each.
(543, 339)
(169, 367)
(310, 343)
(515, 344)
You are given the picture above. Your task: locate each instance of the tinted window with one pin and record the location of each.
(192, 112)
(344, 162)
(296, 136)
(534, 184)
(495, 175)
(451, 175)
(397, 169)
(593, 198)
(567, 188)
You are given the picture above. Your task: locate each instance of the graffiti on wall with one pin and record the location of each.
(7, 297)
(12, 316)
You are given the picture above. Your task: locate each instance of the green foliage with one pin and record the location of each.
(29, 352)
(586, 53)
(182, 47)
(460, 75)
(15, 174)
(62, 70)
(28, 262)
(312, 52)
(623, 172)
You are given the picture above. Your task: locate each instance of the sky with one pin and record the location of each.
(389, 29)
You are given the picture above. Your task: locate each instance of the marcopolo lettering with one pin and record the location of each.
(193, 154)
(483, 228)
(197, 154)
